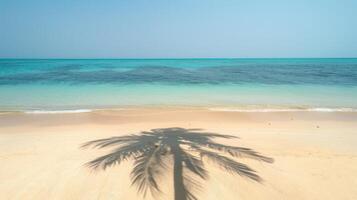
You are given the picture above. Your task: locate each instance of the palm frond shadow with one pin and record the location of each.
(187, 149)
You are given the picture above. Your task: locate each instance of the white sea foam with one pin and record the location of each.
(284, 110)
(217, 109)
(332, 109)
(58, 111)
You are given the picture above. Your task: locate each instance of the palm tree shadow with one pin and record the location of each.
(186, 148)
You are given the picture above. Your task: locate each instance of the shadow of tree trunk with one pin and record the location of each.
(179, 186)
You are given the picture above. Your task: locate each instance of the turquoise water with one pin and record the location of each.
(215, 83)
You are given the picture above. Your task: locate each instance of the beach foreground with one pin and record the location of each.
(315, 154)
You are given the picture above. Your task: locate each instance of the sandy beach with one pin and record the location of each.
(315, 154)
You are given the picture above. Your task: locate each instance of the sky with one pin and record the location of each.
(177, 28)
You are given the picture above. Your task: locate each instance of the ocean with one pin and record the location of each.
(257, 85)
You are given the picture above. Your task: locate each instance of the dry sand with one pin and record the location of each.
(315, 154)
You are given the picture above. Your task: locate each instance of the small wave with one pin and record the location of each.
(58, 111)
(285, 110)
(332, 109)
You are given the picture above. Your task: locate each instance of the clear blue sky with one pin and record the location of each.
(177, 28)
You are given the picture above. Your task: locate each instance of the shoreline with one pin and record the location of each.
(239, 109)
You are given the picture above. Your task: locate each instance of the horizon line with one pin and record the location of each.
(166, 58)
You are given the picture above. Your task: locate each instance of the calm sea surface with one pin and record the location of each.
(258, 84)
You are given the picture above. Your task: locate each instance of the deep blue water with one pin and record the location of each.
(62, 83)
